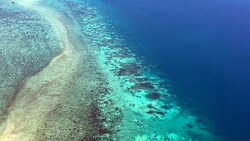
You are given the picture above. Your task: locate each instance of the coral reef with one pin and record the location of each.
(98, 90)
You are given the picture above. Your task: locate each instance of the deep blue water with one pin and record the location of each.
(204, 49)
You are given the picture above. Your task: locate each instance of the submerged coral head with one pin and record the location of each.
(153, 96)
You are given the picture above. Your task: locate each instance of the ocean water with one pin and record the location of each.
(202, 47)
(124, 70)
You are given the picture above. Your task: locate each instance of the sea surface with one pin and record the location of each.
(124, 70)
(203, 47)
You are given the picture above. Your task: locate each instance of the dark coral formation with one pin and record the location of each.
(129, 69)
(153, 96)
(143, 86)
(156, 112)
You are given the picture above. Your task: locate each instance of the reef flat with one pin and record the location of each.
(84, 82)
(28, 43)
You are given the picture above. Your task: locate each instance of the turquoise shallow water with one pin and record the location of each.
(98, 88)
